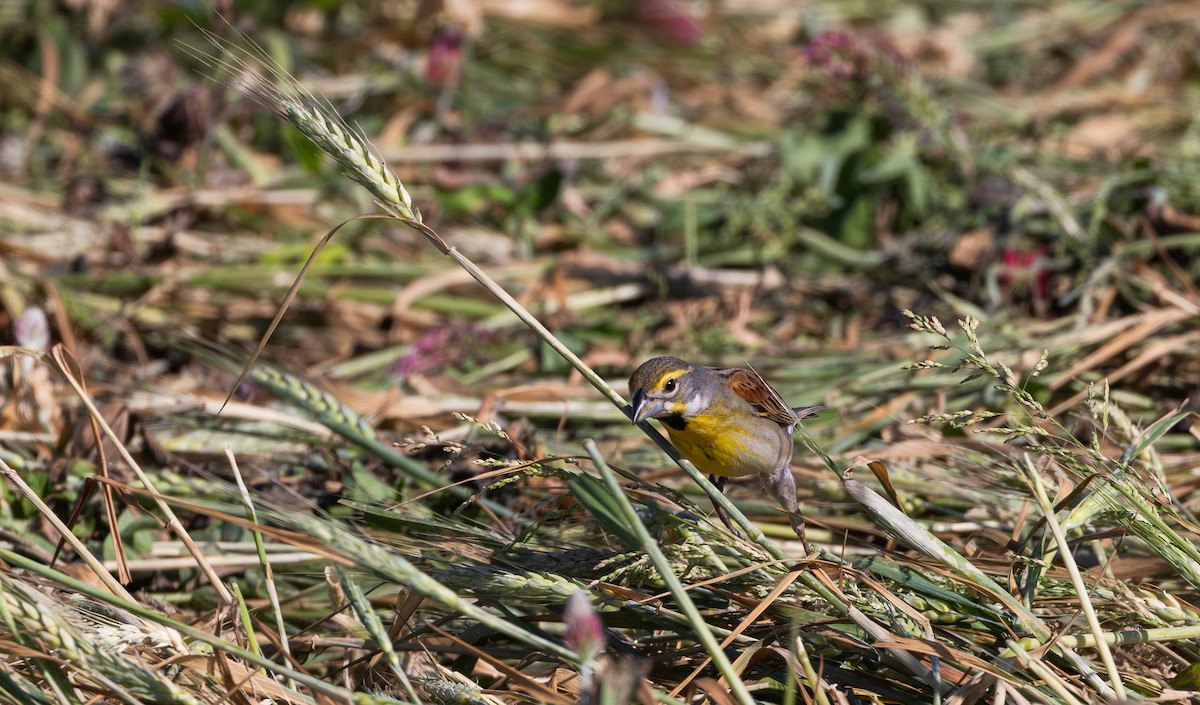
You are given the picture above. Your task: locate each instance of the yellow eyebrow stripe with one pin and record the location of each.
(662, 382)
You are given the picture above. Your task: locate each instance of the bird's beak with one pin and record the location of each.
(646, 408)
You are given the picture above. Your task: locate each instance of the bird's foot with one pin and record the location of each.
(720, 483)
(724, 517)
(797, 523)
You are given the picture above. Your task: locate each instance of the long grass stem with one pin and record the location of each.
(667, 573)
(1081, 589)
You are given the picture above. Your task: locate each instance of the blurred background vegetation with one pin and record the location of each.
(731, 182)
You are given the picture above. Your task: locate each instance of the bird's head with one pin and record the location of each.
(668, 386)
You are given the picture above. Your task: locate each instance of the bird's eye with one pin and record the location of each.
(669, 387)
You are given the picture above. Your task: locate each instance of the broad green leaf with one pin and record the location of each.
(592, 494)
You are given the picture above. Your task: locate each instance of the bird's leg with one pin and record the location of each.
(720, 482)
(782, 486)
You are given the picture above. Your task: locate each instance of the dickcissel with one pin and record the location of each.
(727, 421)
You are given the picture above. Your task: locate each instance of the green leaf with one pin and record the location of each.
(1188, 678)
(292, 253)
(475, 199)
(367, 486)
(858, 224)
(549, 359)
(820, 158)
(309, 155)
(138, 532)
(592, 494)
(540, 193)
(895, 166)
(415, 517)
(1150, 436)
(920, 190)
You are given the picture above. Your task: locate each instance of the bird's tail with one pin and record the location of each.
(803, 412)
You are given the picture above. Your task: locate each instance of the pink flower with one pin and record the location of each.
(32, 330)
(1024, 266)
(585, 631)
(444, 65)
(668, 19)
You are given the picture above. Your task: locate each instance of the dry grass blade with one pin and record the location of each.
(59, 357)
(284, 305)
(88, 656)
(1150, 324)
(749, 619)
(523, 681)
(76, 545)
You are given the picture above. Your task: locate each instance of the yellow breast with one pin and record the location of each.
(729, 450)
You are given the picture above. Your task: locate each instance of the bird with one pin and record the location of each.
(727, 421)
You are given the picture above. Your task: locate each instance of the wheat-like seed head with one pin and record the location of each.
(256, 75)
(112, 628)
(33, 612)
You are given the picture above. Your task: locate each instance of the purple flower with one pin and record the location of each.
(458, 346)
(838, 55)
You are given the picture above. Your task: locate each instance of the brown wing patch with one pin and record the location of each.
(750, 386)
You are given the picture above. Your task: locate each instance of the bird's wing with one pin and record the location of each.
(750, 386)
(803, 412)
